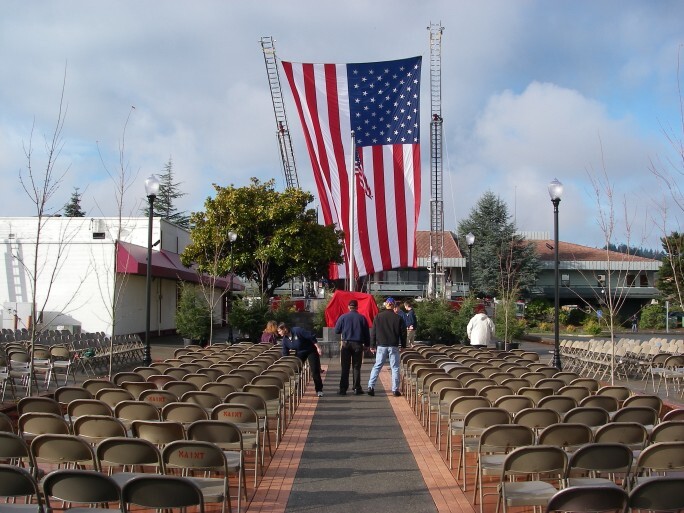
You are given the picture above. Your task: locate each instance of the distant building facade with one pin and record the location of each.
(585, 273)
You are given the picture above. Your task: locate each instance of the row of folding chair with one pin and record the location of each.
(81, 491)
(94, 420)
(570, 411)
(210, 446)
(538, 476)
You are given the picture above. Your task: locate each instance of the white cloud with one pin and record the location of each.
(522, 141)
(528, 90)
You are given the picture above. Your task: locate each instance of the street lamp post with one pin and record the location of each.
(470, 240)
(555, 192)
(232, 237)
(151, 190)
(435, 261)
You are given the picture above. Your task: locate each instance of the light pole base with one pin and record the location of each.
(147, 357)
(556, 360)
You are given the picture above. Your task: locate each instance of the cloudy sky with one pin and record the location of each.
(531, 90)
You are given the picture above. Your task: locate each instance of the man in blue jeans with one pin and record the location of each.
(387, 336)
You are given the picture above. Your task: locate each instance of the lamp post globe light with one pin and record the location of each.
(470, 240)
(151, 191)
(232, 237)
(555, 192)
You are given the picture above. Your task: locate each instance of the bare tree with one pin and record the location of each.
(508, 290)
(614, 290)
(111, 292)
(210, 275)
(40, 186)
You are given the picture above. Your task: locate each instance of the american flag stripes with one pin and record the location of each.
(379, 102)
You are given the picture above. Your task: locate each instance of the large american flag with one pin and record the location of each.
(379, 102)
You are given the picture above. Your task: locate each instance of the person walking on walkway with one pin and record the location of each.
(355, 337)
(411, 323)
(387, 336)
(306, 347)
(480, 330)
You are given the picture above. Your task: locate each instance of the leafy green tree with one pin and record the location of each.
(278, 237)
(73, 207)
(164, 203)
(502, 259)
(670, 280)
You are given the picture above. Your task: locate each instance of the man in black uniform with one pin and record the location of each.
(355, 336)
(306, 347)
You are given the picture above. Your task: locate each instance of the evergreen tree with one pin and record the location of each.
(169, 192)
(634, 251)
(503, 261)
(670, 281)
(73, 207)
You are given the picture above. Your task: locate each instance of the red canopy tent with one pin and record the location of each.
(339, 304)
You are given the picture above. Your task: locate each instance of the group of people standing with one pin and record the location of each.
(392, 328)
(389, 334)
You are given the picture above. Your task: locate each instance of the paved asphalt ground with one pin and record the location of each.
(356, 457)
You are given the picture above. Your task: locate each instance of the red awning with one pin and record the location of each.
(132, 259)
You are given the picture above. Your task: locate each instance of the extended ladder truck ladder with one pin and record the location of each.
(436, 138)
(282, 130)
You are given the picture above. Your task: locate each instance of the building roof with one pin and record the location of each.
(451, 249)
(575, 252)
(570, 255)
(132, 259)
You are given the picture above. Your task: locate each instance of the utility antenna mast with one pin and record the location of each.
(282, 130)
(436, 137)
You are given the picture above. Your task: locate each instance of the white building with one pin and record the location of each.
(91, 274)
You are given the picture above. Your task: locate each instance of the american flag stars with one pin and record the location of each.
(384, 100)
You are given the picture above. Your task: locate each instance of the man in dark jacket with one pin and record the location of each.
(387, 336)
(355, 336)
(411, 323)
(306, 347)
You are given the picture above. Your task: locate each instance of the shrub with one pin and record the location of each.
(571, 328)
(545, 326)
(592, 326)
(435, 319)
(652, 317)
(563, 317)
(538, 311)
(283, 311)
(319, 316)
(250, 317)
(576, 317)
(459, 324)
(508, 327)
(193, 318)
